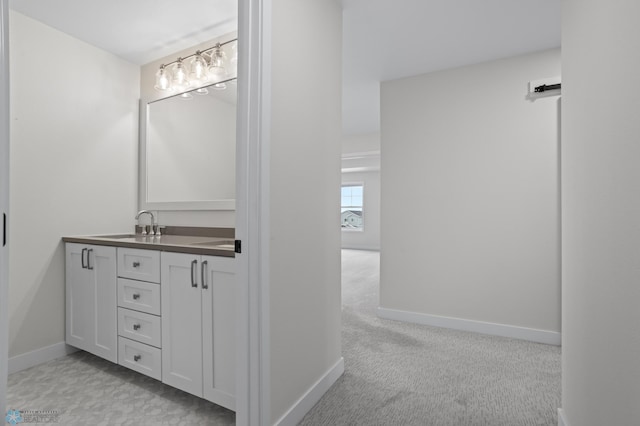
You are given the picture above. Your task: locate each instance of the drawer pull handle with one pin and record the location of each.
(136, 264)
(88, 258)
(136, 326)
(137, 358)
(203, 275)
(136, 296)
(194, 265)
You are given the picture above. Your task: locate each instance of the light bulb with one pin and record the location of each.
(201, 91)
(216, 65)
(219, 86)
(186, 96)
(180, 80)
(163, 79)
(234, 53)
(198, 72)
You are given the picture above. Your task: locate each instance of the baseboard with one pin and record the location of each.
(39, 356)
(562, 420)
(522, 333)
(312, 396)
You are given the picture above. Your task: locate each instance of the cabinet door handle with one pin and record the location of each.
(136, 326)
(137, 358)
(136, 264)
(84, 250)
(88, 259)
(136, 296)
(194, 264)
(203, 275)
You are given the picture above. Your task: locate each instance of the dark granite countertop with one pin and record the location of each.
(195, 244)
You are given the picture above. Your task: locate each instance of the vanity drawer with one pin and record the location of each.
(142, 358)
(139, 296)
(137, 264)
(139, 326)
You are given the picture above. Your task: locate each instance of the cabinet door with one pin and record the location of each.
(219, 330)
(102, 264)
(181, 322)
(91, 320)
(79, 297)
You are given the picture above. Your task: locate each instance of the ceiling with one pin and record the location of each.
(382, 39)
(139, 31)
(390, 39)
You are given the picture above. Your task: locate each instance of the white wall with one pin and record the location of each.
(207, 218)
(74, 124)
(470, 194)
(601, 220)
(365, 142)
(304, 197)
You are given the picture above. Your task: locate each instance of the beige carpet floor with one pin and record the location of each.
(406, 374)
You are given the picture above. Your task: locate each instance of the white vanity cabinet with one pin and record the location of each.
(168, 315)
(198, 325)
(91, 322)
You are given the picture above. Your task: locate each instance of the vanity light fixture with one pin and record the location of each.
(208, 65)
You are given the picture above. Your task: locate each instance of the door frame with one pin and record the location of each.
(253, 405)
(4, 201)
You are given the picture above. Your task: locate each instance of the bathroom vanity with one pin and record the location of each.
(162, 306)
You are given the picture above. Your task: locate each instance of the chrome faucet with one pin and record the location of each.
(144, 228)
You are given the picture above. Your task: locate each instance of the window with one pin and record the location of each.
(351, 207)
